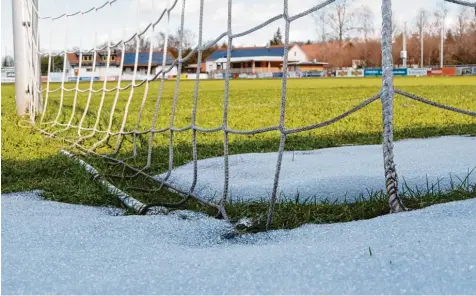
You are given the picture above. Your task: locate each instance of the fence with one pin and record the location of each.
(8, 74)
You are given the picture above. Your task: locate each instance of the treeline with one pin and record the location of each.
(458, 49)
(346, 32)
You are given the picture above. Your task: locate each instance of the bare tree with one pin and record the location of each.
(395, 26)
(439, 26)
(463, 22)
(188, 39)
(463, 26)
(320, 20)
(366, 20)
(421, 23)
(341, 20)
(366, 27)
(143, 43)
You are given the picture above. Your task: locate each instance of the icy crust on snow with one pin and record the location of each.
(55, 248)
(333, 174)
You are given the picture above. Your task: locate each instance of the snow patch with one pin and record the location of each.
(55, 248)
(335, 174)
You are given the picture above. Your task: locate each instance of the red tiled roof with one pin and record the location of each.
(312, 51)
(73, 58)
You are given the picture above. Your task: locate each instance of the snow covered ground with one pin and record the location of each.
(56, 248)
(333, 173)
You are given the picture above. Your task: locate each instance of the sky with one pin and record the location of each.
(125, 17)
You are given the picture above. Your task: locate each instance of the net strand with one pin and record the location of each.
(91, 82)
(225, 104)
(176, 92)
(195, 101)
(144, 99)
(48, 81)
(282, 117)
(161, 88)
(387, 97)
(101, 102)
(76, 88)
(113, 107)
(433, 103)
(66, 15)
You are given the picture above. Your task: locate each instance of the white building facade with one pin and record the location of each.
(253, 59)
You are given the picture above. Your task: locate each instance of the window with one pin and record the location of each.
(89, 69)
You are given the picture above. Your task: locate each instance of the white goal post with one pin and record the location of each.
(94, 128)
(27, 60)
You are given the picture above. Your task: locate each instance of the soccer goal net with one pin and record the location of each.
(117, 89)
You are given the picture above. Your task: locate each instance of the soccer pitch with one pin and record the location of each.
(30, 161)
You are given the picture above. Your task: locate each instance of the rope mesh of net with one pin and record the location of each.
(79, 12)
(386, 95)
(464, 3)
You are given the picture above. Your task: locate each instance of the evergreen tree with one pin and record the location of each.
(277, 38)
(7, 61)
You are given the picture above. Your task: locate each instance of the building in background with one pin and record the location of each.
(100, 71)
(87, 70)
(307, 66)
(8, 75)
(143, 62)
(252, 60)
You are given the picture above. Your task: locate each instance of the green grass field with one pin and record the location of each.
(31, 161)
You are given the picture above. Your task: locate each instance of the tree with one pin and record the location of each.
(277, 38)
(56, 64)
(341, 20)
(320, 21)
(395, 26)
(174, 40)
(463, 25)
(366, 27)
(463, 22)
(141, 41)
(439, 26)
(7, 61)
(421, 23)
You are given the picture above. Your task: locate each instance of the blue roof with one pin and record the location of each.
(248, 52)
(129, 58)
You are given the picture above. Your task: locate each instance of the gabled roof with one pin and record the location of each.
(73, 59)
(241, 52)
(312, 50)
(143, 59)
(129, 59)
